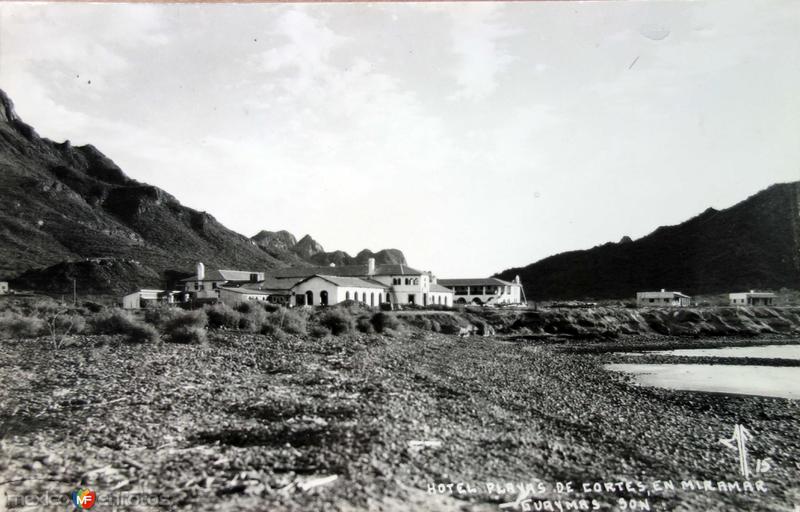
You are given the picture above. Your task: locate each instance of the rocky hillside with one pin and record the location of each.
(70, 212)
(278, 243)
(754, 244)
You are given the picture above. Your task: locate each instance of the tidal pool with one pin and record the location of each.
(781, 382)
(763, 351)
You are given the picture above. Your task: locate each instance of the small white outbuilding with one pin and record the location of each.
(752, 298)
(148, 297)
(662, 298)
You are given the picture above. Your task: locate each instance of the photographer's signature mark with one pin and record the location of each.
(739, 443)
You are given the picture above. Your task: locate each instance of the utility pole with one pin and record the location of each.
(74, 292)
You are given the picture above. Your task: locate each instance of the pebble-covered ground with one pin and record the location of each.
(371, 422)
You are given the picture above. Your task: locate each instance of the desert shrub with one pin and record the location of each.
(187, 334)
(191, 318)
(440, 307)
(160, 316)
(93, 307)
(364, 324)
(382, 321)
(72, 324)
(277, 334)
(17, 325)
(247, 307)
(187, 327)
(46, 306)
(339, 321)
(319, 331)
(290, 321)
(253, 319)
(449, 328)
(44, 316)
(117, 321)
(221, 315)
(271, 308)
(140, 332)
(111, 321)
(418, 321)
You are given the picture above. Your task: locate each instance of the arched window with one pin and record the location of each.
(347, 295)
(310, 298)
(372, 299)
(323, 297)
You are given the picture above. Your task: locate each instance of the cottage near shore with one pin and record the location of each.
(752, 298)
(662, 298)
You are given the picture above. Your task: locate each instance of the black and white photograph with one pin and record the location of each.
(394, 256)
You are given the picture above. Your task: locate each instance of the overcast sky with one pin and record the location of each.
(473, 137)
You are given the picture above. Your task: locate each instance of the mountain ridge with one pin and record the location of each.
(752, 244)
(69, 212)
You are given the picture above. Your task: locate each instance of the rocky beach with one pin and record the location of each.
(412, 421)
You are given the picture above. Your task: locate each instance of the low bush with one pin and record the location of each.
(271, 308)
(449, 328)
(70, 324)
(160, 316)
(93, 307)
(319, 331)
(253, 318)
(140, 332)
(46, 306)
(382, 321)
(290, 321)
(440, 307)
(338, 321)
(187, 327)
(418, 321)
(117, 321)
(17, 325)
(222, 316)
(247, 307)
(187, 334)
(364, 324)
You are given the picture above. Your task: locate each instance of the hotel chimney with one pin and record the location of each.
(371, 267)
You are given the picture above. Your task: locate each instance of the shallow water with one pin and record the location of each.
(741, 380)
(764, 351)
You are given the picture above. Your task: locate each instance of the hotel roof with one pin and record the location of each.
(225, 275)
(345, 271)
(489, 281)
(348, 282)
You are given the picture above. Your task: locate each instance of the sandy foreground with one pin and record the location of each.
(421, 422)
